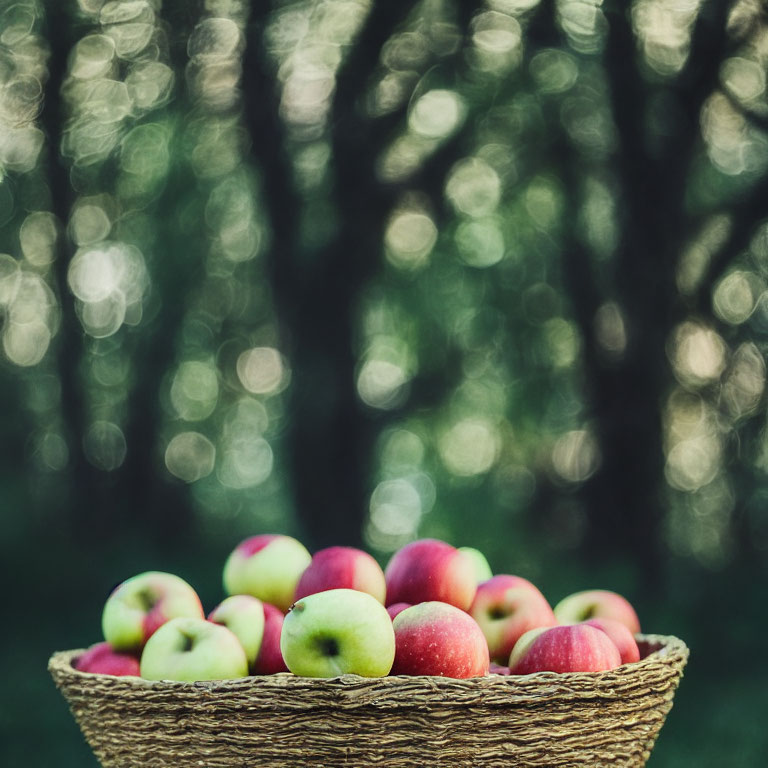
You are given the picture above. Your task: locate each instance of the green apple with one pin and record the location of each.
(338, 632)
(268, 567)
(140, 605)
(480, 563)
(193, 649)
(243, 615)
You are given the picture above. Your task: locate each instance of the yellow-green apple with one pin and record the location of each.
(270, 659)
(193, 649)
(268, 567)
(102, 659)
(396, 608)
(140, 605)
(506, 607)
(430, 570)
(342, 568)
(480, 563)
(244, 615)
(435, 638)
(338, 632)
(597, 604)
(622, 638)
(565, 648)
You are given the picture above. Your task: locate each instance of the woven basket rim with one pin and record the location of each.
(657, 650)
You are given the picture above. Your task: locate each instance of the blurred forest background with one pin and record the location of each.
(490, 271)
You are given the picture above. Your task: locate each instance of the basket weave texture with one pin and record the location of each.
(546, 719)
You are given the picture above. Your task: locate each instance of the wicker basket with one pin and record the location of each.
(577, 719)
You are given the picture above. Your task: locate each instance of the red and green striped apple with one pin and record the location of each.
(139, 606)
(268, 567)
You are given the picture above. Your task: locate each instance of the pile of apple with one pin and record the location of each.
(435, 610)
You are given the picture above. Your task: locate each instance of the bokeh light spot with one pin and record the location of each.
(734, 299)
(93, 57)
(10, 275)
(190, 456)
(395, 511)
(693, 463)
(104, 445)
(261, 370)
(149, 84)
(53, 452)
(437, 114)
(89, 223)
(470, 447)
(698, 354)
(409, 239)
(26, 344)
(575, 456)
(214, 38)
(554, 71)
(247, 461)
(474, 188)
(195, 390)
(38, 235)
(480, 242)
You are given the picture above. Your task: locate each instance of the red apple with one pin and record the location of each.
(396, 608)
(430, 570)
(597, 604)
(506, 607)
(342, 568)
(498, 669)
(568, 648)
(102, 659)
(270, 659)
(435, 638)
(523, 644)
(621, 636)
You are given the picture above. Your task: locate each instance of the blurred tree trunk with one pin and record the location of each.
(151, 497)
(87, 518)
(317, 289)
(624, 499)
(138, 495)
